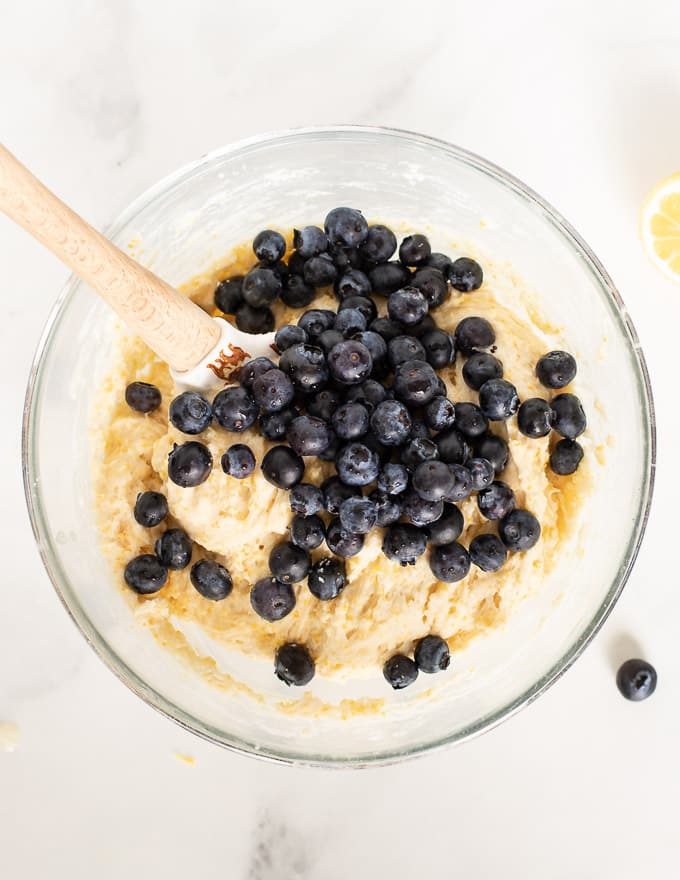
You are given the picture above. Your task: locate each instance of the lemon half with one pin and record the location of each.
(660, 226)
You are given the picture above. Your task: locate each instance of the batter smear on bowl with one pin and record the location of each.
(389, 484)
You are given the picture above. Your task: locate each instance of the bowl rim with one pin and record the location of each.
(118, 666)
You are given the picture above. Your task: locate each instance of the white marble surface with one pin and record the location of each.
(581, 101)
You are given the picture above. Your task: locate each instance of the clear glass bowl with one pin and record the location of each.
(194, 217)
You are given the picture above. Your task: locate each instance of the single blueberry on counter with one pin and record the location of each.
(228, 294)
(419, 511)
(636, 679)
(308, 532)
(306, 499)
(494, 449)
(320, 271)
(189, 464)
(289, 563)
(358, 515)
(479, 368)
(272, 600)
(432, 284)
(211, 580)
(142, 397)
(496, 500)
(282, 467)
(519, 530)
(306, 366)
(474, 333)
(190, 413)
(327, 578)
(269, 246)
(432, 480)
(432, 654)
(415, 383)
(310, 241)
(465, 274)
(238, 461)
(350, 420)
(296, 292)
(407, 305)
(414, 250)
(569, 417)
(388, 277)
(145, 574)
(482, 473)
(393, 479)
(151, 508)
(234, 409)
(498, 400)
(261, 287)
(556, 369)
(470, 420)
(379, 245)
(401, 349)
(447, 528)
(308, 435)
(440, 348)
(449, 563)
(341, 541)
(253, 320)
(400, 671)
(534, 417)
(174, 549)
(293, 665)
(566, 457)
(404, 543)
(252, 369)
(346, 227)
(488, 552)
(353, 282)
(273, 390)
(357, 465)
(315, 321)
(289, 334)
(350, 362)
(391, 423)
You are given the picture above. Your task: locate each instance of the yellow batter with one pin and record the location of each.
(384, 608)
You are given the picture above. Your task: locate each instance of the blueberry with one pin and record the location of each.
(142, 397)
(278, 266)
(474, 333)
(417, 450)
(388, 329)
(308, 435)
(211, 579)
(324, 404)
(350, 421)
(404, 543)
(346, 227)
(388, 508)
(271, 599)
(252, 320)
(414, 250)
(419, 511)
(432, 654)
(273, 390)
(496, 501)
(358, 515)
(252, 369)
(145, 574)
(369, 392)
(432, 284)
(487, 552)
(519, 530)
(447, 528)
(449, 562)
(350, 362)
(440, 413)
(566, 457)
(357, 465)
(174, 549)
(570, 420)
(289, 335)
(297, 293)
(228, 294)
(350, 321)
(465, 274)
(534, 417)
(636, 680)
(391, 423)
(306, 366)
(341, 541)
(310, 241)
(261, 287)
(293, 664)
(407, 305)
(432, 480)
(440, 350)
(269, 246)
(151, 508)
(415, 383)
(481, 473)
(388, 277)
(498, 399)
(328, 340)
(234, 409)
(306, 499)
(327, 578)
(383, 452)
(320, 271)
(315, 321)
(273, 426)
(345, 258)
(377, 348)
(556, 369)
(400, 671)
(353, 282)
(470, 420)
(189, 464)
(282, 467)
(479, 368)
(439, 261)
(405, 348)
(363, 303)
(380, 244)
(494, 449)
(335, 492)
(462, 483)
(422, 327)
(307, 532)
(289, 563)
(452, 446)
(295, 266)
(393, 479)
(419, 430)
(238, 461)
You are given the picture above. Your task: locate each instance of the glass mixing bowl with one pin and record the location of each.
(182, 226)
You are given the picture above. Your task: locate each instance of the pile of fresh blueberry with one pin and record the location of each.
(362, 392)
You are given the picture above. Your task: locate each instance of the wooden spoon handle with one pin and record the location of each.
(175, 328)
